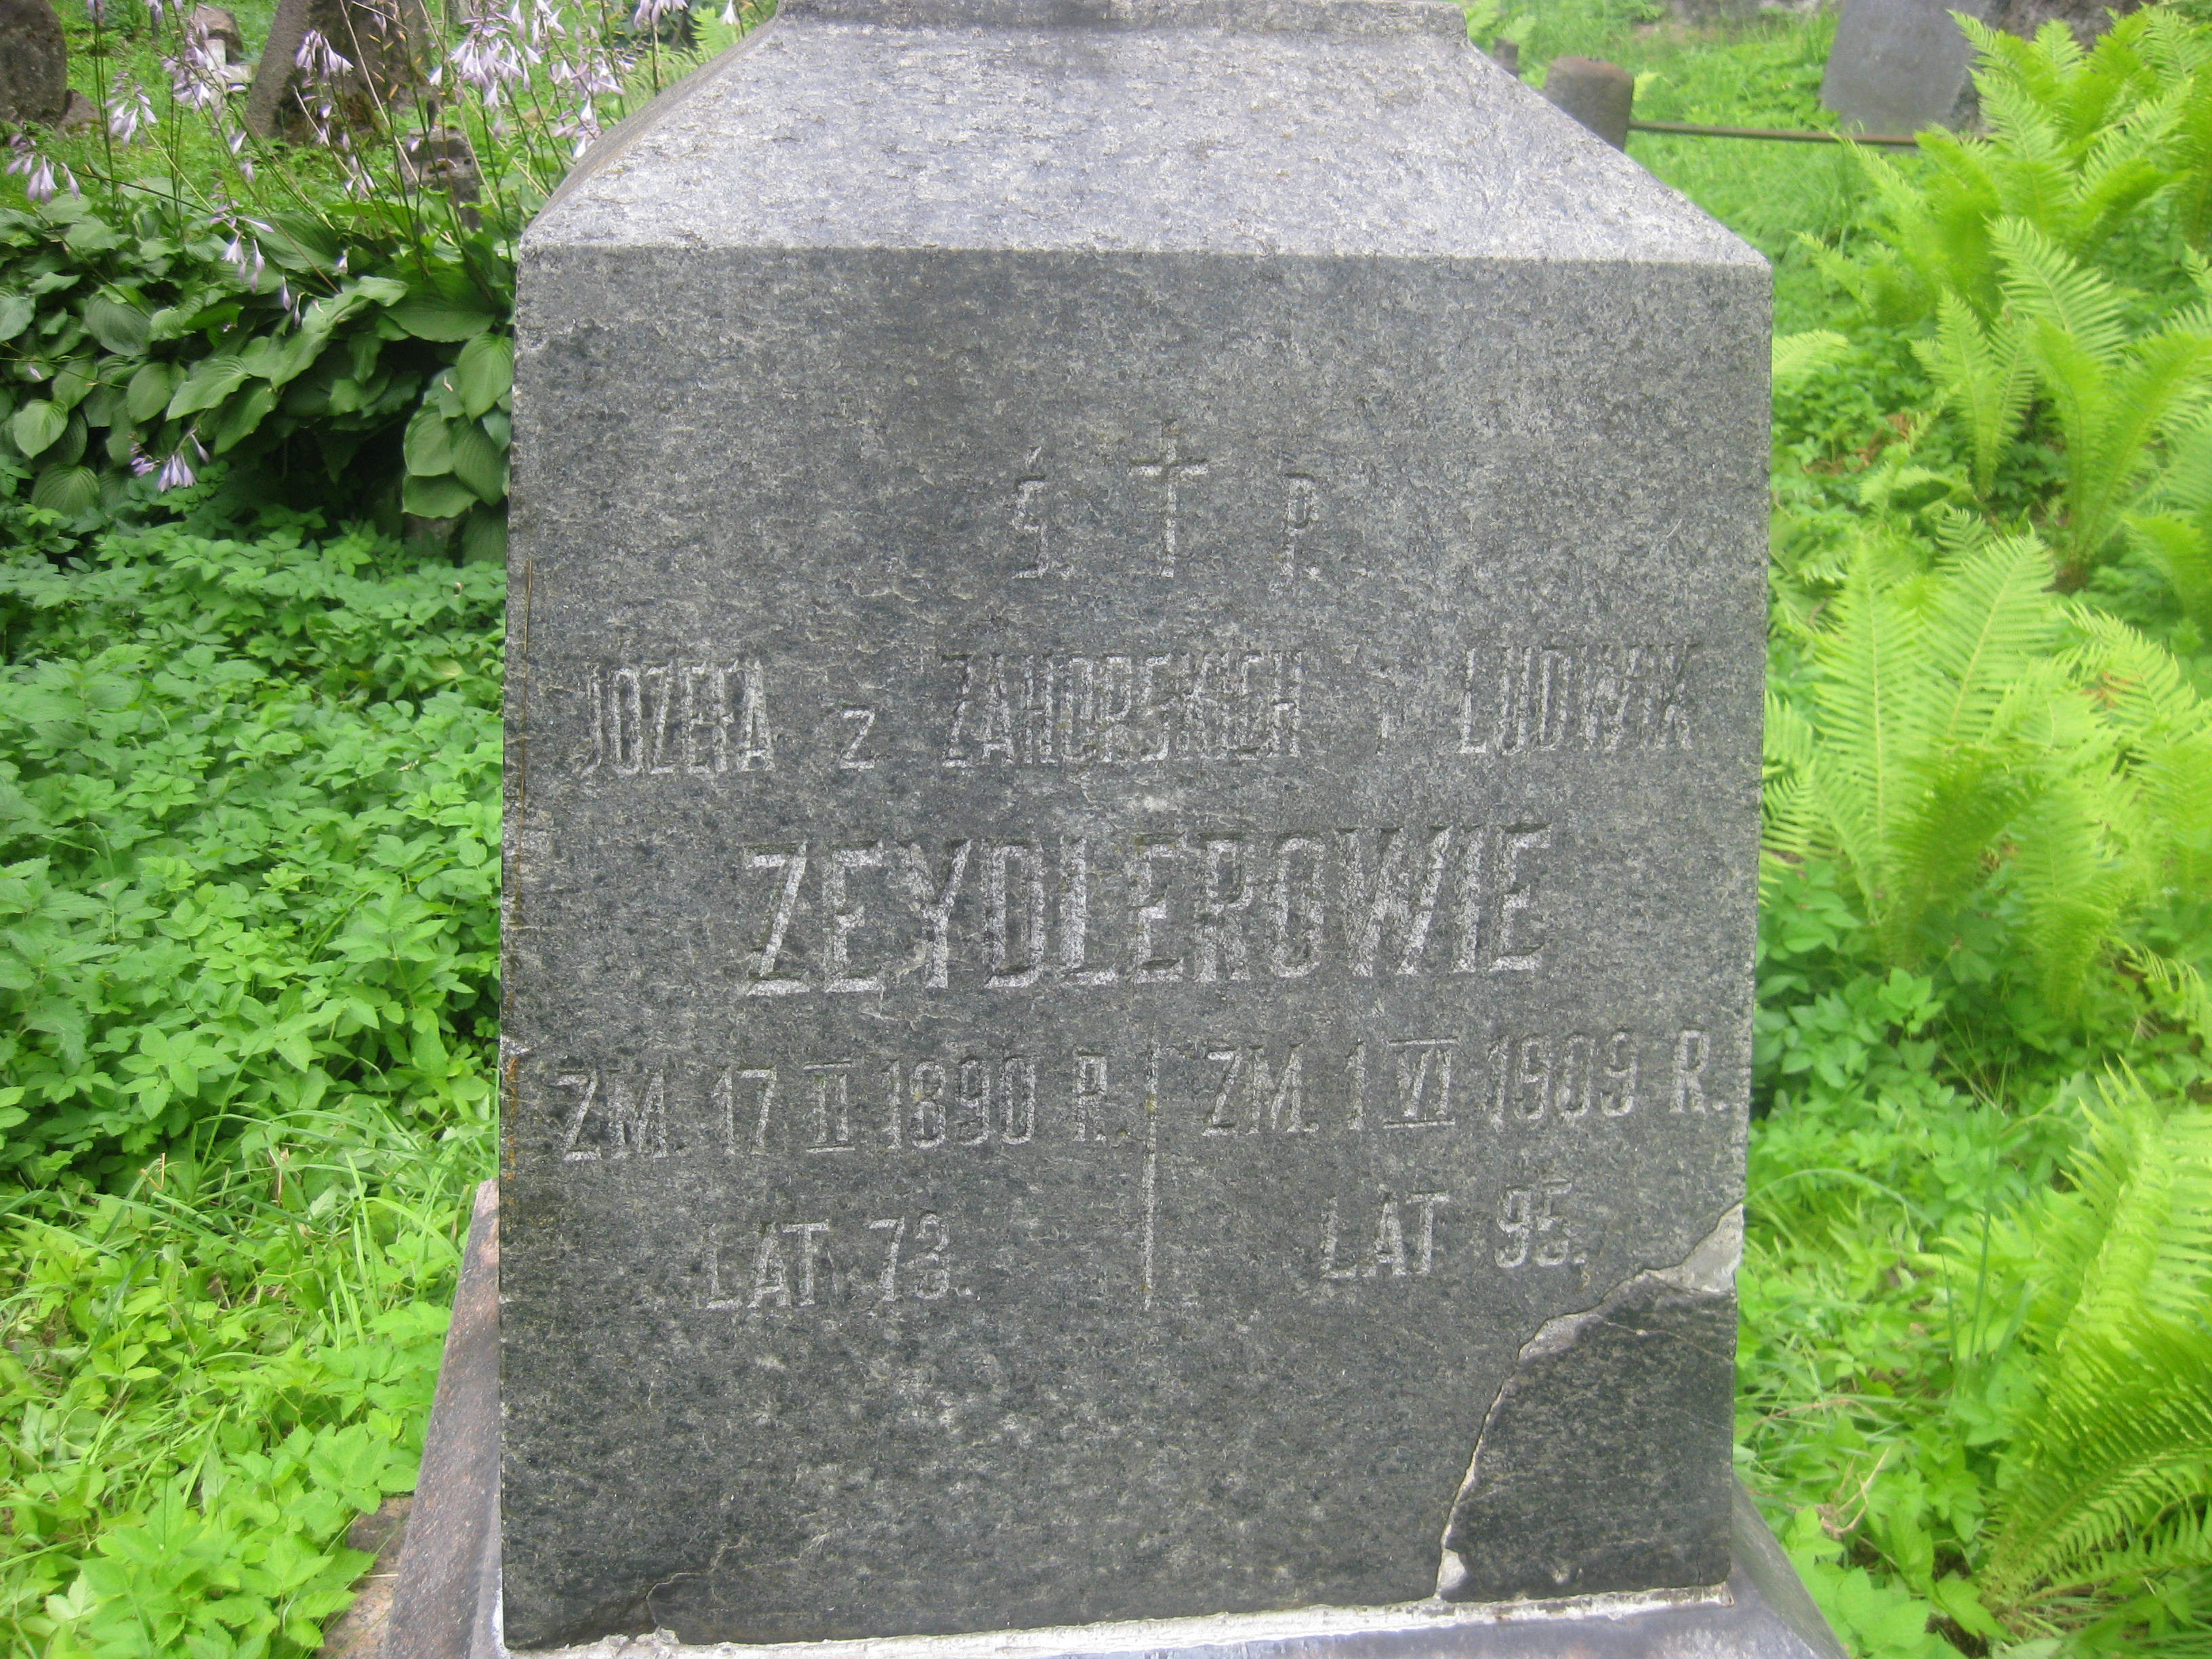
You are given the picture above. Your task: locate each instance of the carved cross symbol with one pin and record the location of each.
(1170, 469)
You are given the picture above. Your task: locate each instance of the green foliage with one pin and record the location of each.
(246, 904)
(2106, 1475)
(137, 342)
(247, 932)
(269, 762)
(2102, 153)
(207, 1377)
(1967, 738)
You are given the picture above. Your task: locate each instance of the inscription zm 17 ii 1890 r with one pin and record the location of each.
(1135, 659)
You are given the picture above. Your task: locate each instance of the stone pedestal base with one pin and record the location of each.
(446, 1604)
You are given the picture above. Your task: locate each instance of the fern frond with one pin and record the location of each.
(2187, 995)
(1798, 355)
(1986, 380)
(1995, 623)
(2112, 1462)
(2073, 885)
(2180, 550)
(2047, 285)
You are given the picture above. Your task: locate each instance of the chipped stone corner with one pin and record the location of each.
(1603, 1463)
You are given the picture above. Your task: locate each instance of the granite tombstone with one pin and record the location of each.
(1899, 65)
(1136, 636)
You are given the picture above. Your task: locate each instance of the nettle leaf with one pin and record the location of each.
(434, 319)
(441, 497)
(484, 373)
(478, 462)
(37, 424)
(122, 329)
(16, 311)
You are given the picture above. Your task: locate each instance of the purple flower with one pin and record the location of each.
(177, 471)
(494, 54)
(133, 114)
(38, 171)
(322, 61)
(196, 77)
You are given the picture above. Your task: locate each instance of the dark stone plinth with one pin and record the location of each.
(1135, 664)
(445, 1604)
(450, 1591)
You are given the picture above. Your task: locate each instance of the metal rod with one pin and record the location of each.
(1689, 129)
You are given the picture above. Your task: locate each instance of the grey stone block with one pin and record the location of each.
(1135, 654)
(452, 1591)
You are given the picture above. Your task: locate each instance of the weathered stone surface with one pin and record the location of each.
(1604, 1463)
(1899, 65)
(1135, 662)
(442, 1595)
(1764, 1613)
(33, 63)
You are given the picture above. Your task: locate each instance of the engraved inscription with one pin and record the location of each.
(1120, 708)
(1172, 471)
(1607, 697)
(793, 1265)
(1214, 1090)
(677, 719)
(1397, 902)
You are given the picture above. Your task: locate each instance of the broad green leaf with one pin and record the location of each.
(208, 385)
(382, 291)
(70, 382)
(102, 406)
(484, 373)
(477, 461)
(434, 319)
(484, 537)
(37, 424)
(150, 390)
(16, 311)
(440, 497)
(429, 450)
(122, 329)
(73, 491)
(242, 416)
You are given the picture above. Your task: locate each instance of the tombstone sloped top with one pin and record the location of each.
(1227, 127)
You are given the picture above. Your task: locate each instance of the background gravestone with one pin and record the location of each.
(1136, 638)
(33, 63)
(1899, 65)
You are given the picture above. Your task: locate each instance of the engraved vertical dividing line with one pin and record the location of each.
(1152, 1167)
(518, 687)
